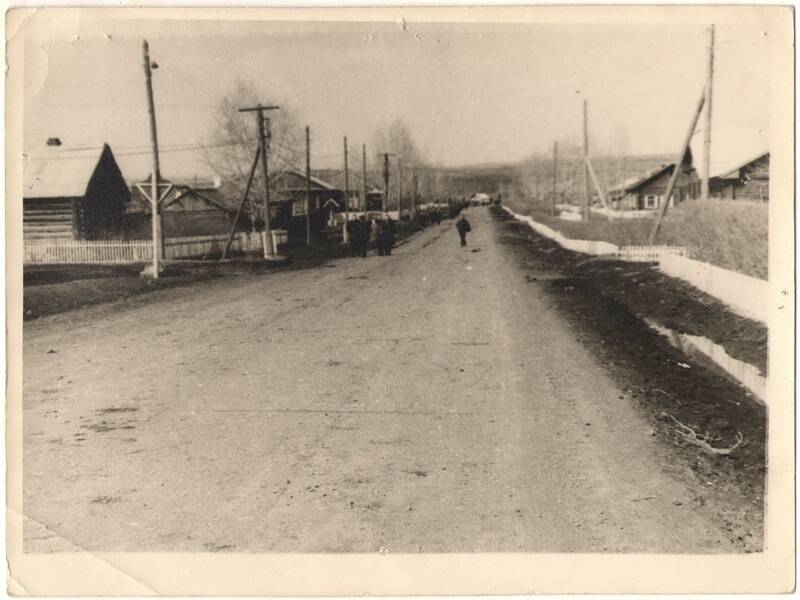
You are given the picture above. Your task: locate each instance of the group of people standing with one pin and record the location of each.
(381, 232)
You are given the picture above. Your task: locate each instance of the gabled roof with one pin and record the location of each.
(733, 172)
(60, 172)
(314, 180)
(210, 194)
(635, 182)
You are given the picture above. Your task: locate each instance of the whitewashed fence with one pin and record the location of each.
(648, 253)
(623, 214)
(65, 251)
(745, 295)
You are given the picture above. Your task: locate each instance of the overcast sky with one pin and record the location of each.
(470, 93)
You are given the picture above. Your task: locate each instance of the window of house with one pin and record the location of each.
(650, 201)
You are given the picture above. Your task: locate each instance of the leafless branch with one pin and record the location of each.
(706, 440)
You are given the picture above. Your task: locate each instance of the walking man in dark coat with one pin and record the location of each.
(463, 227)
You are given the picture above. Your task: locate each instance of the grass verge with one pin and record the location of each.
(732, 235)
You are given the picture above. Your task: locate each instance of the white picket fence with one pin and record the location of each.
(66, 251)
(745, 295)
(648, 253)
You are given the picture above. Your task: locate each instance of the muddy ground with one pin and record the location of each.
(443, 399)
(53, 289)
(606, 301)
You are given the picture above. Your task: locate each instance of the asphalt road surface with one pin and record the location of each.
(431, 401)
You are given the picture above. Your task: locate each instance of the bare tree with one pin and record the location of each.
(395, 138)
(234, 139)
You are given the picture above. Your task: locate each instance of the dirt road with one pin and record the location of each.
(429, 401)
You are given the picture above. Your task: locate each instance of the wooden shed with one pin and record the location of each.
(74, 193)
(745, 181)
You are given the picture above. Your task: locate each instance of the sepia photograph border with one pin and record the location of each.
(143, 574)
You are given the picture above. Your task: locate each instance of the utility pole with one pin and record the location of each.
(364, 175)
(346, 193)
(414, 193)
(263, 148)
(308, 186)
(704, 189)
(155, 170)
(385, 199)
(399, 185)
(555, 177)
(586, 211)
(678, 161)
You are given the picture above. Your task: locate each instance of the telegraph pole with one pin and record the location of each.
(555, 177)
(399, 185)
(414, 193)
(263, 148)
(308, 186)
(346, 192)
(704, 188)
(364, 174)
(385, 199)
(155, 170)
(651, 240)
(586, 194)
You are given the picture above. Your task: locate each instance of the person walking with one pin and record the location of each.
(463, 227)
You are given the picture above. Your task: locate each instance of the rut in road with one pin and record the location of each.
(429, 401)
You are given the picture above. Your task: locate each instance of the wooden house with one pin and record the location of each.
(189, 208)
(746, 181)
(374, 199)
(647, 191)
(289, 190)
(73, 193)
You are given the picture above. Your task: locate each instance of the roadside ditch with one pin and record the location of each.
(629, 315)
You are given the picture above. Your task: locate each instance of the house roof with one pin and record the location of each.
(635, 182)
(315, 180)
(56, 171)
(733, 172)
(210, 194)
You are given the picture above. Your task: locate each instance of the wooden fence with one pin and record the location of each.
(648, 253)
(66, 251)
(746, 296)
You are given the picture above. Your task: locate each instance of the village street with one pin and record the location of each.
(429, 401)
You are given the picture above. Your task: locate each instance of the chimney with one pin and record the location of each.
(53, 141)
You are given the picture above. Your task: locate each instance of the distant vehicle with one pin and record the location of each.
(481, 199)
